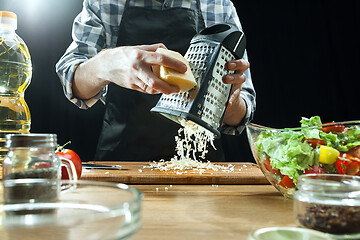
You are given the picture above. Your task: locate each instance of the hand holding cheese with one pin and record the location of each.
(185, 81)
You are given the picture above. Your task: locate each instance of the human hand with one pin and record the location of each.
(236, 108)
(131, 67)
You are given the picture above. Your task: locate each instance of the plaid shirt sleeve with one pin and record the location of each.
(88, 39)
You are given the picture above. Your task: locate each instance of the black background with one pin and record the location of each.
(304, 58)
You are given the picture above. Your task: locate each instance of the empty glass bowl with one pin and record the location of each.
(83, 210)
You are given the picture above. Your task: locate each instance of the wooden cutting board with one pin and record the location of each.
(135, 173)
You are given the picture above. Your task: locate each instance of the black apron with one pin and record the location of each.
(130, 131)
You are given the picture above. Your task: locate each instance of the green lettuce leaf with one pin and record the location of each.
(309, 122)
(287, 151)
(291, 155)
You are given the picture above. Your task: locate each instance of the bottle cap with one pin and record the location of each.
(8, 20)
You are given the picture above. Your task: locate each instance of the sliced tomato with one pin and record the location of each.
(353, 168)
(333, 128)
(344, 161)
(350, 157)
(314, 169)
(287, 182)
(267, 165)
(314, 142)
(341, 165)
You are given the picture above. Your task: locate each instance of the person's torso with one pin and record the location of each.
(130, 131)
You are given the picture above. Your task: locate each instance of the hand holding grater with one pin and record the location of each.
(205, 104)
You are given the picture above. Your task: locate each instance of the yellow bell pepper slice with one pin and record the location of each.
(328, 155)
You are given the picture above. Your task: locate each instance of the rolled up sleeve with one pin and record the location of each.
(88, 39)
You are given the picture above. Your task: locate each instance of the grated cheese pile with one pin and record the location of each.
(192, 140)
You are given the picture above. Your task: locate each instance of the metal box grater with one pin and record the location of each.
(205, 104)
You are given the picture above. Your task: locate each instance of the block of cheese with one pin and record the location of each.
(185, 81)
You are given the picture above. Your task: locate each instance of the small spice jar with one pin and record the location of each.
(329, 203)
(31, 156)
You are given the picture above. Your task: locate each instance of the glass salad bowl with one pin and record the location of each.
(285, 154)
(82, 210)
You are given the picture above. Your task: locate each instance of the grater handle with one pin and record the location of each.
(236, 43)
(225, 33)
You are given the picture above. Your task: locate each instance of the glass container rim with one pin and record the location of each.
(31, 140)
(329, 179)
(329, 189)
(109, 211)
(293, 231)
(261, 127)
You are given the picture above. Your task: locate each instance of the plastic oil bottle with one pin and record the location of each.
(15, 77)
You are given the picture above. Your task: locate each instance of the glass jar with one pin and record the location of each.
(329, 203)
(31, 156)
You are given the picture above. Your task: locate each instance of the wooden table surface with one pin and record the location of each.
(211, 206)
(221, 212)
(205, 211)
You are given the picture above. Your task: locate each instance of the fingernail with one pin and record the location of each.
(230, 78)
(182, 68)
(232, 65)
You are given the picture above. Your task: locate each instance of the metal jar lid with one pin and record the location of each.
(31, 140)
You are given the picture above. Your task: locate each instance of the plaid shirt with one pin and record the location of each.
(97, 27)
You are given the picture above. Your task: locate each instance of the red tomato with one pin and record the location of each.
(268, 167)
(314, 169)
(71, 155)
(287, 182)
(353, 168)
(333, 128)
(314, 142)
(343, 161)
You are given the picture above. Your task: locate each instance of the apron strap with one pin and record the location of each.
(126, 4)
(198, 5)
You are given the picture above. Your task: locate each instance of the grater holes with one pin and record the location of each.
(175, 101)
(214, 100)
(207, 113)
(201, 109)
(210, 108)
(211, 116)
